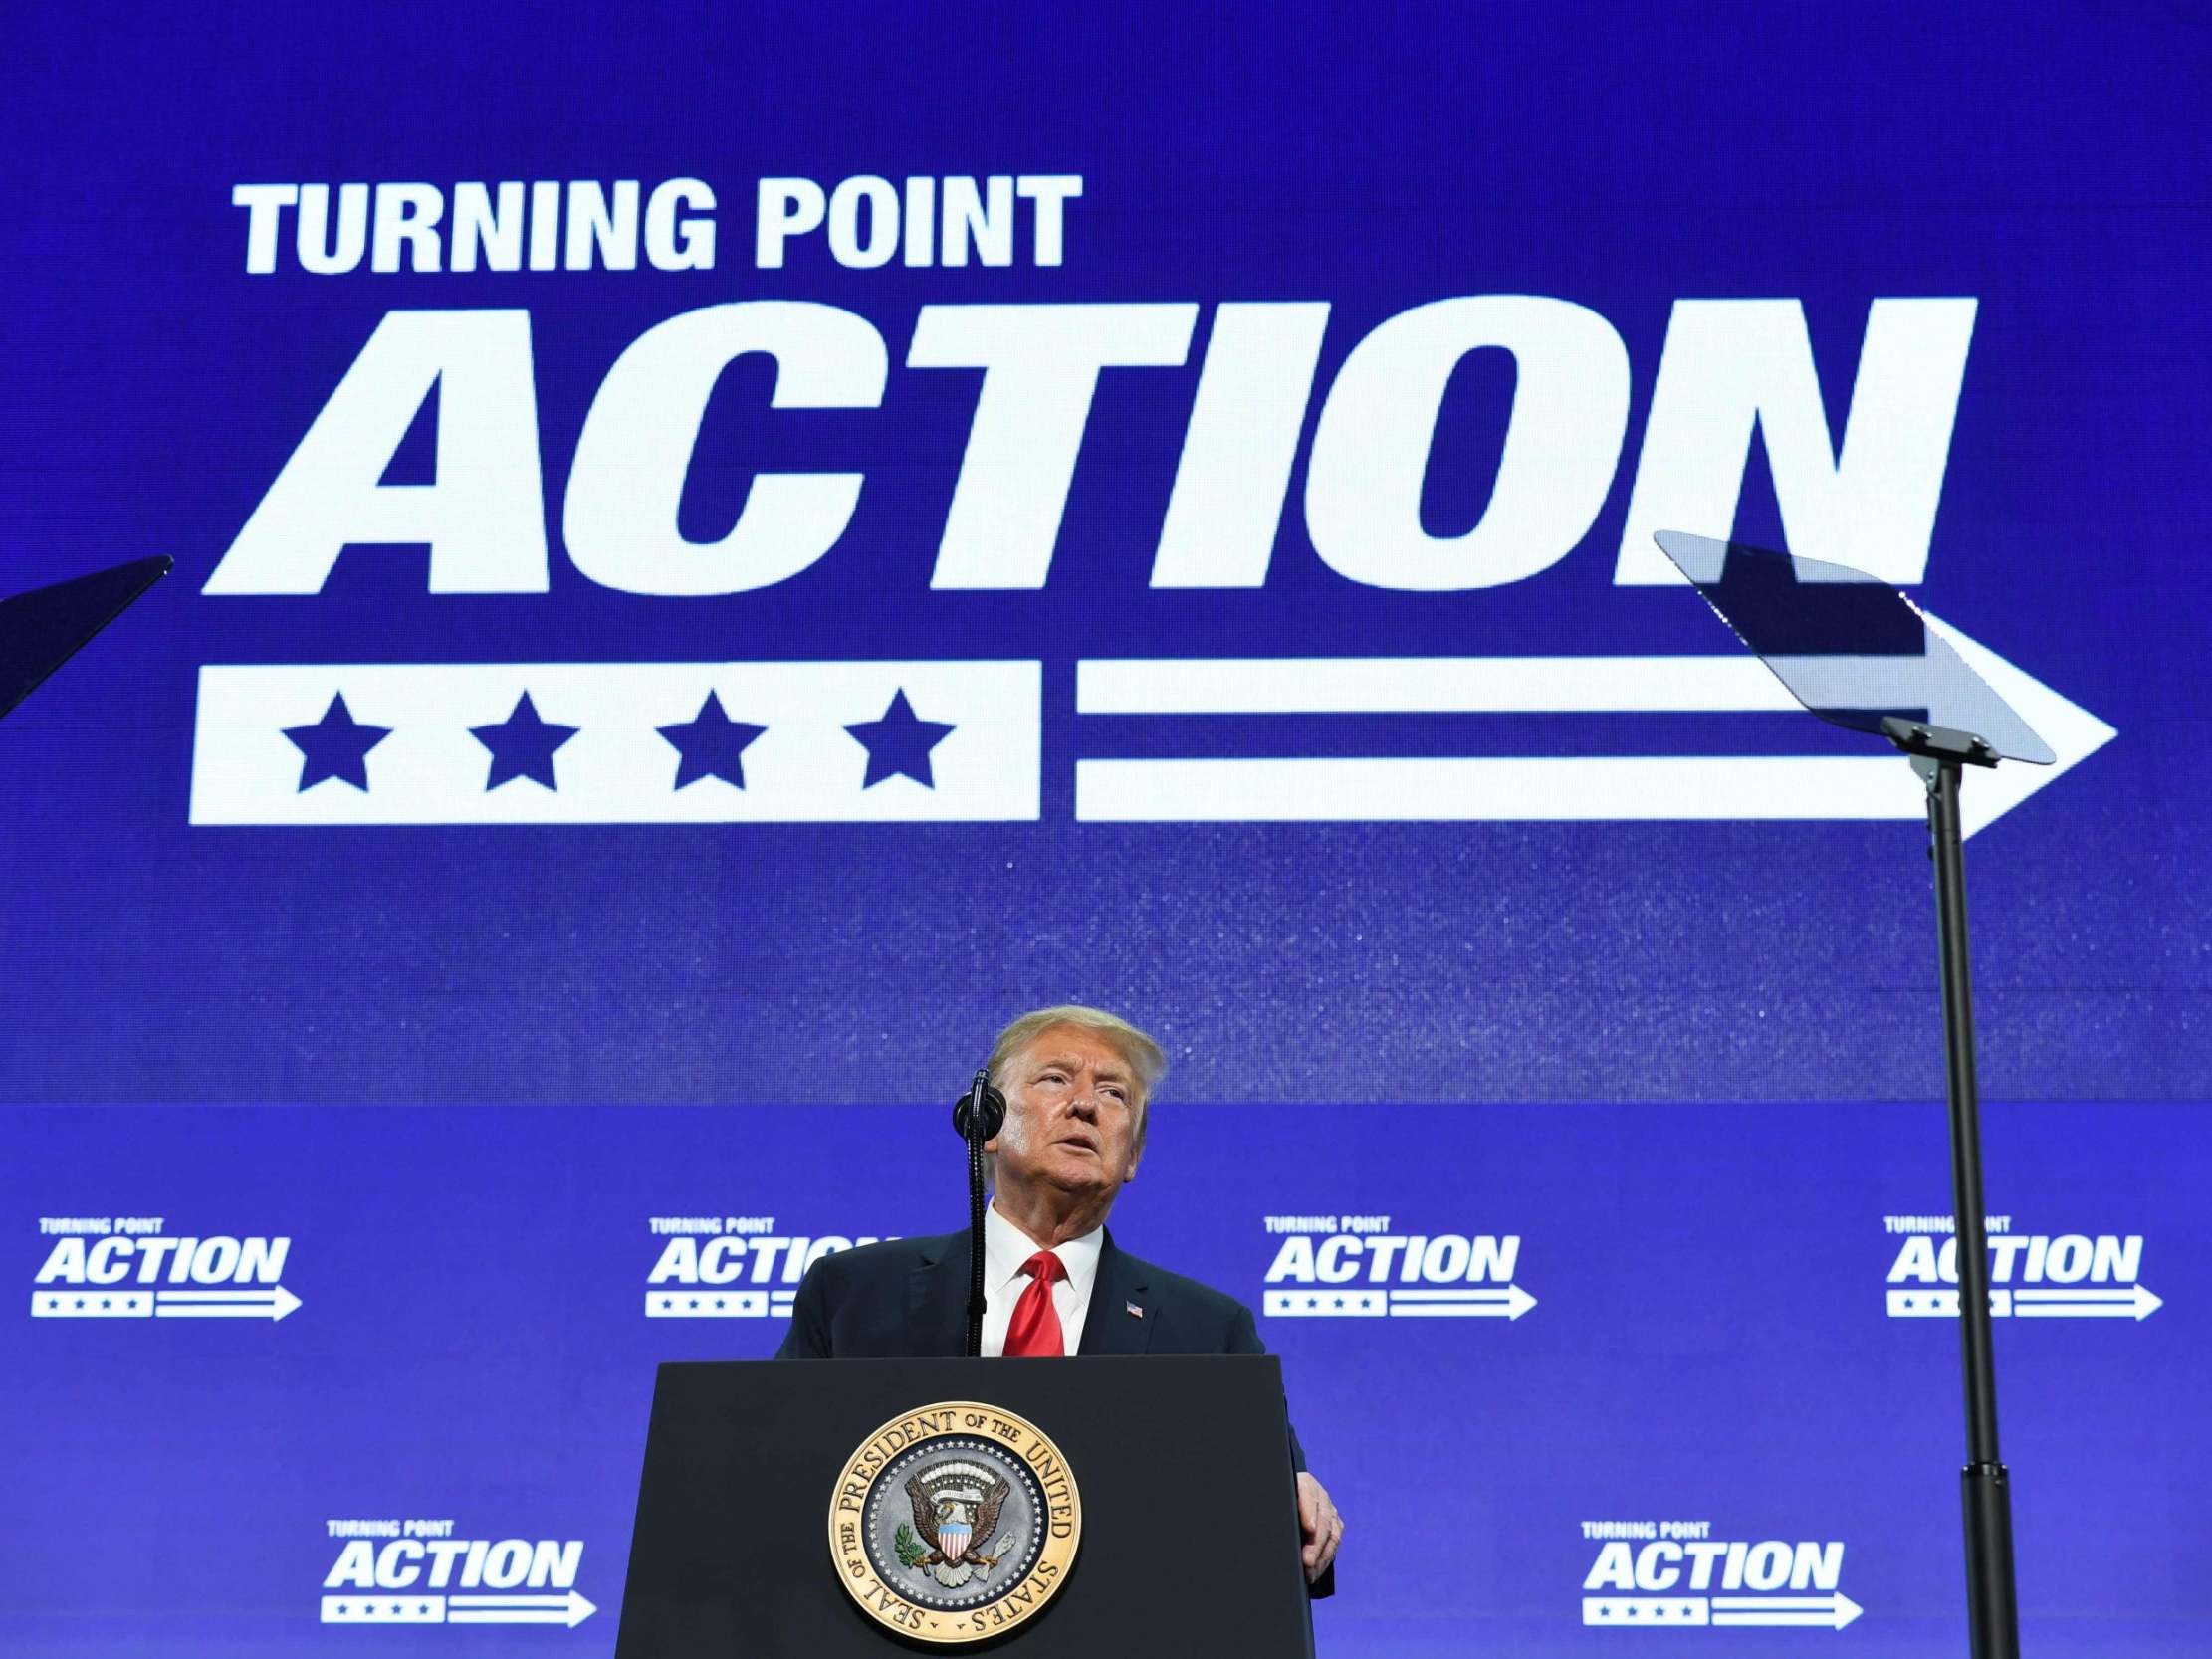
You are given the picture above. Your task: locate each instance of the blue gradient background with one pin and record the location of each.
(1693, 1065)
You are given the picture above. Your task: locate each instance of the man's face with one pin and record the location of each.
(1073, 1115)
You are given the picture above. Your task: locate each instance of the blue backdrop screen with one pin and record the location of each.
(721, 555)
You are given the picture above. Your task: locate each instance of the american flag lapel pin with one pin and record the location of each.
(1133, 1309)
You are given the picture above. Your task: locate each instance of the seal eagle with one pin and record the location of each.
(986, 1523)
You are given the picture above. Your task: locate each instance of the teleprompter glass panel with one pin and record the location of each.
(42, 629)
(1851, 648)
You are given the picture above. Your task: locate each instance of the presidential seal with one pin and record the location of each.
(955, 1522)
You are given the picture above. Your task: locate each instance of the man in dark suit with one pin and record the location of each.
(1076, 1082)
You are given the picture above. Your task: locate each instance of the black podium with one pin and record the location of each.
(1189, 1535)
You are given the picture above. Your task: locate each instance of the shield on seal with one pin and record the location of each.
(952, 1538)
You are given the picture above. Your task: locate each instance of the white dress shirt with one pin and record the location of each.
(1006, 1248)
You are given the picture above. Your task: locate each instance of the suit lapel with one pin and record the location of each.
(937, 1300)
(1110, 1326)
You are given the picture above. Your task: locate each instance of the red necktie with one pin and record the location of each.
(1034, 1331)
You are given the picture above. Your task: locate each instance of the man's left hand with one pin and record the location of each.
(1319, 1522)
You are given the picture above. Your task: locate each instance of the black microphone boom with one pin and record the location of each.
(977, 1116)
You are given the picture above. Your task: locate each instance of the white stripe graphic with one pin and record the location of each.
(1485, 1293)
(1467, 790)
(1485, 1301)
(1491, 685)
(617, 768)
(1597, 789)
(1425, 684)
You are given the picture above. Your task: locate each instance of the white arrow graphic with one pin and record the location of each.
(1660, 1612)
(2073, 732)
(2127, 1302)
(2136, 1302)
(570, 1609)
(272, 1303)
(1506, 1302)
(1583, 789)
(1831, 1611)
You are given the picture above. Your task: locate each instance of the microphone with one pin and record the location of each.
(982, 1105)
(977, 1116)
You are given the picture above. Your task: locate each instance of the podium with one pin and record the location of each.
(1187, 1533)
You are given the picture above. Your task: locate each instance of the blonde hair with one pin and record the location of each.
(1145, 1055)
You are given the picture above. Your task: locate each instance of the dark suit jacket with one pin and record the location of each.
(908, 1298)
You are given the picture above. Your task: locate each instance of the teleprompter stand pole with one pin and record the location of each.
(1993, 1618)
